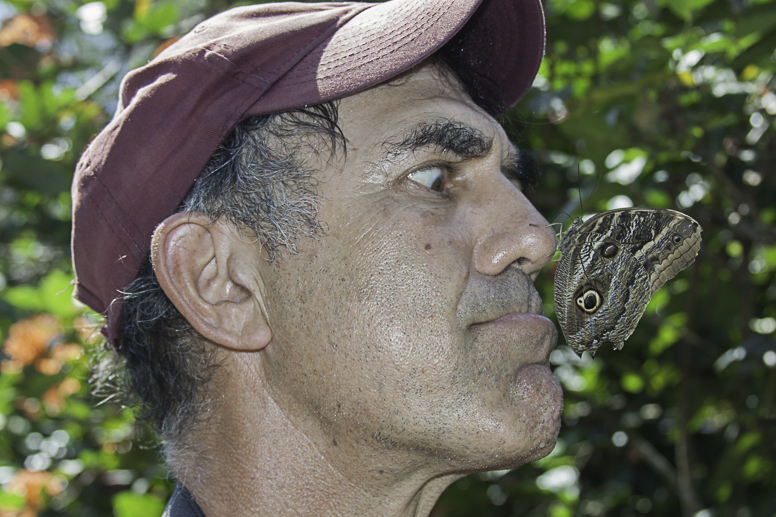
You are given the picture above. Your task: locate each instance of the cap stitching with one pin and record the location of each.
(370, 56)
(343, 54)
(290, 63)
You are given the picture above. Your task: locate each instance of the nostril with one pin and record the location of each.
(522, 261)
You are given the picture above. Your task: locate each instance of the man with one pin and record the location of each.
(310, 240)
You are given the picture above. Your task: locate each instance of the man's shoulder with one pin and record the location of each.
(182, 504)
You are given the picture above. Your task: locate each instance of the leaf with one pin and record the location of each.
(32, 172)
(758, 53)
(760, 19)
(580, 10)
(53, 295)
(657, 199)
(131, 504)
(161, 16)
(685, 9)
(10, 501)
(716, 42)
(632, 382)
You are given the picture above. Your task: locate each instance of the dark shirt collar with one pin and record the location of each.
(182, 504)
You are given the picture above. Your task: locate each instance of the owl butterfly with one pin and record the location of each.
(611, 265)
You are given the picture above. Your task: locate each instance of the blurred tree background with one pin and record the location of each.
(670, 102)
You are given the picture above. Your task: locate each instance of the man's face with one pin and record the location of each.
(412, 326)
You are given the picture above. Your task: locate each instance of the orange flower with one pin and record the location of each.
(53, 401)
(26, 29)
(24, 512)
(54, 397)
(60, 354)
(69, 386)
(66, 351)
(11, 367)
(28, 339)
(9, 90)
(30, 485)
(48, 366)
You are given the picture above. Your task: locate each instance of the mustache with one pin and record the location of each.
(487, 298)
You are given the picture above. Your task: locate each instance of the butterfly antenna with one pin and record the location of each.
(579, 192)
(595, 187)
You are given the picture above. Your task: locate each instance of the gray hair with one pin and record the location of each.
(258, 179)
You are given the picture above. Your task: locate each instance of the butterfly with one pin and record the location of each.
(611, 265)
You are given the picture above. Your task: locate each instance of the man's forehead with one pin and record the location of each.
(429, 81)
(388, 113)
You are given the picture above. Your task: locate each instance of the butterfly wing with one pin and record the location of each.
(610, 267)
(595, 300)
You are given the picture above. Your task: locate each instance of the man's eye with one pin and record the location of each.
(432, 177)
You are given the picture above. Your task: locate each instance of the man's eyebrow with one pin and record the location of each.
(463, 141)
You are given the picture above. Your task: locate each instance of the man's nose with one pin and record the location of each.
(511, 230)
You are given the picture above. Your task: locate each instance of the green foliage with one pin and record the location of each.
(670, 102)
(130, 504)
(62, 453)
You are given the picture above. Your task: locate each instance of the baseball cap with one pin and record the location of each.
(255, 60)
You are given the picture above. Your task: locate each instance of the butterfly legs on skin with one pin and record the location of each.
(558, 236)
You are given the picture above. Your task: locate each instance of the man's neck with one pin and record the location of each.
(252, 460)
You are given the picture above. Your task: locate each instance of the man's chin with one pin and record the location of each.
(529, 428)
(539, 397)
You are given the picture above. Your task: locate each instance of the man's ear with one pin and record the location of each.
(207, 270)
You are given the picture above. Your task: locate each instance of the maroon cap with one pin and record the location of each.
(261, 59)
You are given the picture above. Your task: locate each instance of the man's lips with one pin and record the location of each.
(508, 309)
(517, 317)
(526, 324)
(487, 300)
